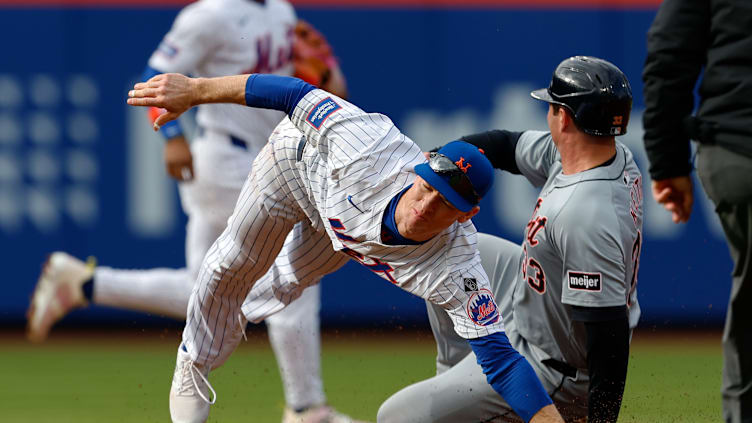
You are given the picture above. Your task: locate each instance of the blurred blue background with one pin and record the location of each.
(82, 172)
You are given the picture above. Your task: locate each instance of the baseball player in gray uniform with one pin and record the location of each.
(366, 192)
(568, 293)
(209, 38)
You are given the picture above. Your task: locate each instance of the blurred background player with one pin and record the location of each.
(213, 38)
(712, 38)
(568, 294)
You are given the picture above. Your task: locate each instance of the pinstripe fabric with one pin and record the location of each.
(351, 167)
(367, 159)
(264, 214)
(306, 256)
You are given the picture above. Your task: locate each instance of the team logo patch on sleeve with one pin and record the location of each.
(584, 281)
(471, 285)
(321, 111)
(482, 308)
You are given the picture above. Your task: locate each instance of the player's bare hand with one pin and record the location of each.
(547, 414)
(171, 91)
(675, 194)
(178, 159)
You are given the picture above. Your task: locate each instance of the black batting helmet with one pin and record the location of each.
(595, 91)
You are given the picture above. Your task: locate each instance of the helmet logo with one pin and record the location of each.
(462, 165)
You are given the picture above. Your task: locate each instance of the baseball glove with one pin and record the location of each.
(312, 56)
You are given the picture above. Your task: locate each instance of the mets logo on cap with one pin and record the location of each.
(482, 308)
(463, 165)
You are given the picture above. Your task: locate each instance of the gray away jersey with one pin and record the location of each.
(352, 165)
(581, 246)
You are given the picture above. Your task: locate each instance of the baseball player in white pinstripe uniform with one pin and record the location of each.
(351, 177)
(568, 293)
(210, 38)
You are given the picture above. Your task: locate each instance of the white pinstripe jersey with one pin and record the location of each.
(229, 37)
(352, 165)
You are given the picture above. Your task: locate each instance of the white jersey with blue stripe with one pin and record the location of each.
(212, 38)
(352, 165)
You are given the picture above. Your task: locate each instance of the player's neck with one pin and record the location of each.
(585, 152)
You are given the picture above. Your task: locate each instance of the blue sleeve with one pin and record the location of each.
(275, 92)
(510, 374)
(149, 73)
(172, 128)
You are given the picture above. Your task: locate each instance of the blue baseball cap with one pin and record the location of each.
(460, 172)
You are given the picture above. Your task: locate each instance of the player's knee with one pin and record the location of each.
(387, 413)
(397, 410)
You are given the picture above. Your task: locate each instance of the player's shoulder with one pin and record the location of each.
(281, 7)
(598, 204)
(535, 145)
(285, 129)
(534, 137)
(205, 15)
(461, 236)
(630, 164)
(200, 7)
(593, 198)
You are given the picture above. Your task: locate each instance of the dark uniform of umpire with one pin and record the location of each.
(686, 38)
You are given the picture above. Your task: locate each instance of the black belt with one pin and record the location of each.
(706, 132)
(561, 367)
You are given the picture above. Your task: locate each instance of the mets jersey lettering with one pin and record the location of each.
(265, 62)
(372, 264)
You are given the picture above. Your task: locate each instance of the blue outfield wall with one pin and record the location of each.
(81, 172)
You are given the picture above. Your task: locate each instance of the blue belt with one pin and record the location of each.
(301, 146)
(238, 142)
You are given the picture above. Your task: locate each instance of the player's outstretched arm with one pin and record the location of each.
(514, 379)
(177, 93)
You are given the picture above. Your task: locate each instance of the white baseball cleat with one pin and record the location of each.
(189, 394)
(59, 290)
(319, 414)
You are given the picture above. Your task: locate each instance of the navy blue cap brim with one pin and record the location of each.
(424, 171)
